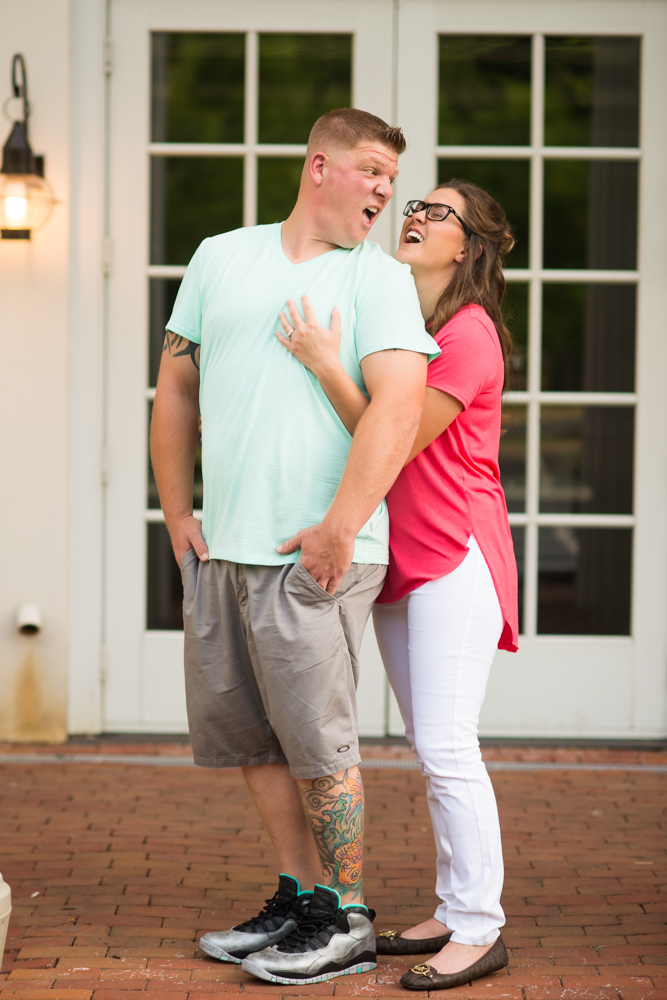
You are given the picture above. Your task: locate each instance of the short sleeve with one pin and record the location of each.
(469, 362)
(185, 319)
(389, 316)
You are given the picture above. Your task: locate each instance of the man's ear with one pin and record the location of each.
(317, 167)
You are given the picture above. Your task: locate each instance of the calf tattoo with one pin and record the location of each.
(335, 810)
(173, 342)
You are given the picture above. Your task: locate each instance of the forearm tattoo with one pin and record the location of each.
(335, 810)
(173, 343)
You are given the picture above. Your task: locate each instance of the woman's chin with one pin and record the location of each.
(406, 255)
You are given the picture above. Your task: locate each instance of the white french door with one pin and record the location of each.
(555, 107)
(560, 117)
(209, 129)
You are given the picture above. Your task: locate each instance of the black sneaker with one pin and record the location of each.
(329, 941)
(279, 916)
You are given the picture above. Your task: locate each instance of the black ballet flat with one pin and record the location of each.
(391, 943)
(424, 977)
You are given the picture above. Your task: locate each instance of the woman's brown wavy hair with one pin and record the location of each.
(479, 277)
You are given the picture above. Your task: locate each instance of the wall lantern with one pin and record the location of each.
(26, 198)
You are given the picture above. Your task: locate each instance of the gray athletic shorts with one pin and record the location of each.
(272, 664)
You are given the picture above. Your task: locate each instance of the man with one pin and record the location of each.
(272, 638)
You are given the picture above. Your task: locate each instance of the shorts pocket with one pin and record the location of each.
(313, 585)
(186, 557)
(189, 573)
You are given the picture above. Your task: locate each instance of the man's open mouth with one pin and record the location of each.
(413, 236)
(371, 212)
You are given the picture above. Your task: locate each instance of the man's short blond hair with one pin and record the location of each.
(347, 127)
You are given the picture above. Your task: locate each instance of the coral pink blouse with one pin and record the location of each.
(452, 488)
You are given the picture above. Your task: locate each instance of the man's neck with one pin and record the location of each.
(301, 240)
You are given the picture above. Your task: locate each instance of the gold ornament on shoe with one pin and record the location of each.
(421, 970)
(390, 935)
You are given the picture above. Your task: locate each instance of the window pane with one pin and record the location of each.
(592, 92)
(588, 338)
(586, 459)
(162, 297)
(192, 198)
(518, 538)
(277, 187)
(515, 314)
(198, 87)
(508, 181)
(198, 489)
(484, 90)
(590, 214)
(164, 603)
(300, 78)
(512, 457)
(584, 581)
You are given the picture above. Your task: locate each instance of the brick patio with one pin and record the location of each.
(116, 869)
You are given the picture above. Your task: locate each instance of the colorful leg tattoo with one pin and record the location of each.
(335, 810)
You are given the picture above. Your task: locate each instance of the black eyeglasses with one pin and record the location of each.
(435, 212)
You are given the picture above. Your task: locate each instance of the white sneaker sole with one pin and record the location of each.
(253, 969)
(214, 952)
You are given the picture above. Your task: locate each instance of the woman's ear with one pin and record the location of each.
(463, 253)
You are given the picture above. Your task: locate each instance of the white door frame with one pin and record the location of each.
(555, 686)
(87, 367)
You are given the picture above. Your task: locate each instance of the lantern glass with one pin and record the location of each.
(26, 201)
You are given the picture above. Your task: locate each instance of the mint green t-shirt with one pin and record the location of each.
(273, 447)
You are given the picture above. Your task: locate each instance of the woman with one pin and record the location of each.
(450, 596)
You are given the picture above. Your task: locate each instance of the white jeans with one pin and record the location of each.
(437, 644)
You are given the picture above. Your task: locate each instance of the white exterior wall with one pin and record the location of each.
(62, 338)
(34, 454)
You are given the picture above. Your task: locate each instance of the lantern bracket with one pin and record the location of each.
(26, 197)
(17, 156)
(21, 88)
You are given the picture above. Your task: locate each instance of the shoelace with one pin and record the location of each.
(306, 929)
(273, 907)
